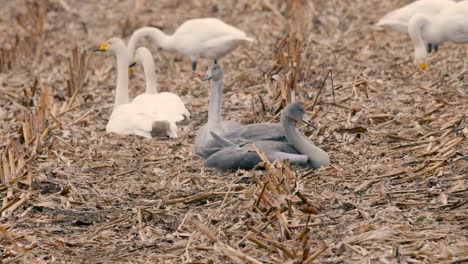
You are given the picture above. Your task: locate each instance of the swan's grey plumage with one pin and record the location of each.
(243, 156)
(298, 149)
(256, 132)
(204, 144)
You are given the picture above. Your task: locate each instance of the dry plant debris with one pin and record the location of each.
(396, 191)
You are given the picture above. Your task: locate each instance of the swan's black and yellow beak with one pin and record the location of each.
(130, 70)
(103, 47)
(423, 66)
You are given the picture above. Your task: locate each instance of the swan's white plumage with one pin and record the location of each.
(208, 38)
(399, 18)
(451, 24)
(135, 117)
(169, 106)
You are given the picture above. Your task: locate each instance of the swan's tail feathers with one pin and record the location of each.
(250, 39)
(221, 140)
(186, 115)
(160, 128)
(391, 23)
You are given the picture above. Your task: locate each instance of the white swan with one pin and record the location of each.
(208, 38)
(128, 117)
(168, 105)
(399, 18)
(451, 24)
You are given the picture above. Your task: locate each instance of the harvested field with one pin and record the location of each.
(396, 191)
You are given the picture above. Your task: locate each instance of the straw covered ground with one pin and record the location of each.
(396, 191)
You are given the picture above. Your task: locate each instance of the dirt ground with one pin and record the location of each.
(396, 191)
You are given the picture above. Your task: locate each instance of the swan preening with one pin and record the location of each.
(399, 18)
(450, 24)
(149, 114)
(298, 149)
(208, 38)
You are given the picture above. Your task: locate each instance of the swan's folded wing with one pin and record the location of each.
(456, 27)
(233, 158)
(262, 131)
(126, 120)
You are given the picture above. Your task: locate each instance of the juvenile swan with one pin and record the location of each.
(204, 144)
(399, 18)
(208, 38)
(128, 117)
(298, 149)
(451, 24)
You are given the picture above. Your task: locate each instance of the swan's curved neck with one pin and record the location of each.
(416, 25)
(150, 75)
(214, 110)
(317, 157)
(121, 90)
(163, 40)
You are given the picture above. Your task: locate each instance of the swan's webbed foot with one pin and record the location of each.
(194, 65)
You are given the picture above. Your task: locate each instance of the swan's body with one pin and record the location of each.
(208, 38)
(451, 24)
(204, 144)
(131, 117)
(168, 105)
(298, 149)
(398, 19)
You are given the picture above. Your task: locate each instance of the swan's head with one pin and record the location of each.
(417, 25)
(113, 44)
(216, 73)
(296, 113)
(420, 56)
(141, 54)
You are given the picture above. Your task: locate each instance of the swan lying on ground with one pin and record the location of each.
(399, 18)
(204, 144)
(208, 38)
(132, 117)
(168, 105)
(451, 24)
(298, 149)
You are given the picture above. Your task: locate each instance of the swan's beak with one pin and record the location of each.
(307, 120)
(423, 66)
(130, 70)
(103, 47)
(207, 77)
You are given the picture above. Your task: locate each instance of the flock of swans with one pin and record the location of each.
(229, 145)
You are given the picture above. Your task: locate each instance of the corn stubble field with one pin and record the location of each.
(396, 191)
